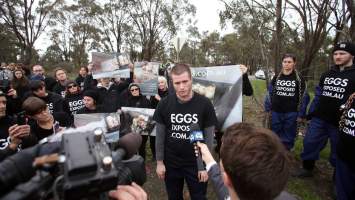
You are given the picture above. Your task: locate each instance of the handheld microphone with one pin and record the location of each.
(197, 135)
(127, 146)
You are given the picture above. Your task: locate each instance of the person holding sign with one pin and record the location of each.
(287, 101)
(174, 115)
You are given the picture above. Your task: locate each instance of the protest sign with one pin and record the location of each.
(107, 65)
(138, 120)
(110, 123)
(146, 75)
(223, 86)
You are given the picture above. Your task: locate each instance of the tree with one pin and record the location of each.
(314, 17)
(28, 19)
(75, 31)
(156, 22)
(114, 20)
(8, 45)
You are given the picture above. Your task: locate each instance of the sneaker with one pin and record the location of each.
(302, 173)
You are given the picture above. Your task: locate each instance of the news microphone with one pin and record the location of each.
(127, 146)
(197, 135)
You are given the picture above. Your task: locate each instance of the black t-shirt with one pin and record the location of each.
(59, 89)
(346, 142)
(286, 93)
(40, 132)
(74, 102)
(336, 87)
(55, 103)
(177, 118)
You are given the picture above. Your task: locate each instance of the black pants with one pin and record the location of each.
(151, 144)
(174, 183)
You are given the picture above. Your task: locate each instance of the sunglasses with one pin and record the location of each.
(71, 86)
(134, 89)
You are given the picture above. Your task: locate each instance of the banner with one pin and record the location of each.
(146, 75)
(138, 120)
(223, 86)
(107, 65)
(110, 123)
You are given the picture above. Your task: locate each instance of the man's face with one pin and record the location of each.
(43, 116)
(182, 85)
(41, 92)
(2, 106)
(342, 58)
(38, 70)
(61, 75)
(288, 64)
(83, 71)
(89, 102)
(134, 91)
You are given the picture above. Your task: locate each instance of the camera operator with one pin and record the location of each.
(254, 165)
(12, 136)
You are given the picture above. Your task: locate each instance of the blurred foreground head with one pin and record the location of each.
(255, 164)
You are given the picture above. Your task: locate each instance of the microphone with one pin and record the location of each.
(197, 135)
(127, 146)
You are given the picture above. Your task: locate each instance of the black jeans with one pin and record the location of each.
(174, 183)
(151, 144)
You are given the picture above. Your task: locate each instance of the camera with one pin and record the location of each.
(83, 166)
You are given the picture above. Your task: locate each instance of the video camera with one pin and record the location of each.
(81, 166)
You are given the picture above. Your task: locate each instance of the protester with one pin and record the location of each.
(13, 136)
(335, 87)
(73, 97)
(43, 123)
(345, 163)
(61, 77)
(254, 165)
(54, 101)
(38, 71)
(162, 91)
(20, 83)
(174, 115)
(83, 72)
(247, 90)
(108, 95)
(90, 98)
(287, 101)
(137, 100)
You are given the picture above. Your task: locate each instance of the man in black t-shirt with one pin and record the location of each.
(335, 87)
(174, 115)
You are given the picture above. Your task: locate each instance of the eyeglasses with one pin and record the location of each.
(134, 89)
(71, 86)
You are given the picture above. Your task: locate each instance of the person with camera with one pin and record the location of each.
(175, 116)
(254, 165)
(13, 136)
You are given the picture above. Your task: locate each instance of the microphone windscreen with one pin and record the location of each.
(194, 127)
(130, 143)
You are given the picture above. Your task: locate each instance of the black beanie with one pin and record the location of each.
(91, 93)
(345, 46)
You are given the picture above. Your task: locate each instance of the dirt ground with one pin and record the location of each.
(319, 187)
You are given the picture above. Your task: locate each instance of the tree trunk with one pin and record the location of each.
(277, 36)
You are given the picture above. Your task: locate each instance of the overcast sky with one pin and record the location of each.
(207, 15)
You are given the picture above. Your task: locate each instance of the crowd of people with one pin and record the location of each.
(254, 162)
